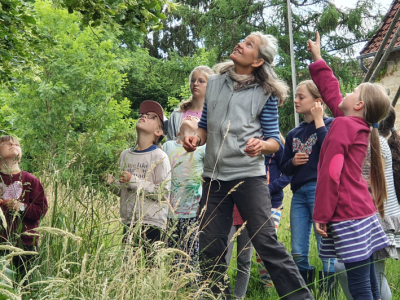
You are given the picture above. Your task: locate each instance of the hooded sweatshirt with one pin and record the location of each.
(27, 189)
(342, 192)
(146, 196)
(305, 138)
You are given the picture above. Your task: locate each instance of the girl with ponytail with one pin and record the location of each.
(391, 222)
(345, 212)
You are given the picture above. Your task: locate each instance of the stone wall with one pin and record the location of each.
(392, 80)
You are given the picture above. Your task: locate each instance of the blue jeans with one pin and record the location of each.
(362, 281)
(301, 221)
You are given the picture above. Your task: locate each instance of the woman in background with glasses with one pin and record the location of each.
(194, 106)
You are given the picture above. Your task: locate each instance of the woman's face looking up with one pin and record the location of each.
(246, 52)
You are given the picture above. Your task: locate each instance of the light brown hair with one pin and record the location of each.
(8, 138)
(186, 105)
(376, 108)
(311, 87)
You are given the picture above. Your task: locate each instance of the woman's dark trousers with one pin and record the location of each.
(254, 204)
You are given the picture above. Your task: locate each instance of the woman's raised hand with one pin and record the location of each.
(315, 47)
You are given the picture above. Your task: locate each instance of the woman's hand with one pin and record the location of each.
(318, 114)
(315, 47)
(300, 159)
(253, 147)
(125, 177)
(321, 229)
(190, 142)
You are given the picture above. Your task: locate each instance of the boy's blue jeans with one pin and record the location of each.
(301, 221)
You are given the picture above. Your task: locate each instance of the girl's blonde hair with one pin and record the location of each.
(311, 87)
(185, 105)
(376, 108)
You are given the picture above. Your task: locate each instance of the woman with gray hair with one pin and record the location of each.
(240, 123)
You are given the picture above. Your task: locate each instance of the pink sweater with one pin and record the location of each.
(342, 193)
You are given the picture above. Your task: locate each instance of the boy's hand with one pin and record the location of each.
(300, 159)
(125, 177)
(315, 47)
(107, 178)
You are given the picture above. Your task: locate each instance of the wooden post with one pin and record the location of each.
(382, 47)
(396, 97)
(385, 55)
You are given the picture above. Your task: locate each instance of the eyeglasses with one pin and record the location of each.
(200, 81)
(148, 116)
(10, 144)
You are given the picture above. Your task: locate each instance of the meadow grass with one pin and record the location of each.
(81, 254)
(255, 289)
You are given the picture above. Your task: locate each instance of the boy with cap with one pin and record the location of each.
(144, 182)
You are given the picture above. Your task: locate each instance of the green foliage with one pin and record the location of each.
(75, 113)
(219, 25)
(159, 79)
(20, 41)
(139, 14)
(329, 19)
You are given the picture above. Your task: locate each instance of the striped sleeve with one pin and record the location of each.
(203, 120)
(269, 118)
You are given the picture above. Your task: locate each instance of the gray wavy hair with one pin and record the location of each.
(265, 74)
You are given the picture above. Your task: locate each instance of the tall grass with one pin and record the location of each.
(81, 254)
(255, 289)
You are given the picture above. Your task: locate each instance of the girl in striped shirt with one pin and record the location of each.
(345, 212)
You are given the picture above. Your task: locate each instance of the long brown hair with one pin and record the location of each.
(387, 129)
(207, 71)
(376, 108)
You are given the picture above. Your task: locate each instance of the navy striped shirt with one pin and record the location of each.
(269, 118)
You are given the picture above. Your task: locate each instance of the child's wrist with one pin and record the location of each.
(317, 58)
(319, 123)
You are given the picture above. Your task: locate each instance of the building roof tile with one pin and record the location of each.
(376, 40)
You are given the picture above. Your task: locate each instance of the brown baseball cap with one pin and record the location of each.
(153, 106)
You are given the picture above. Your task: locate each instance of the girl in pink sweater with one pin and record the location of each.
(345, 212)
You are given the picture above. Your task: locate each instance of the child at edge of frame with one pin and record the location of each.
(23, 203)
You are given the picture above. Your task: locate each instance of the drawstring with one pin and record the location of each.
(252, 101)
